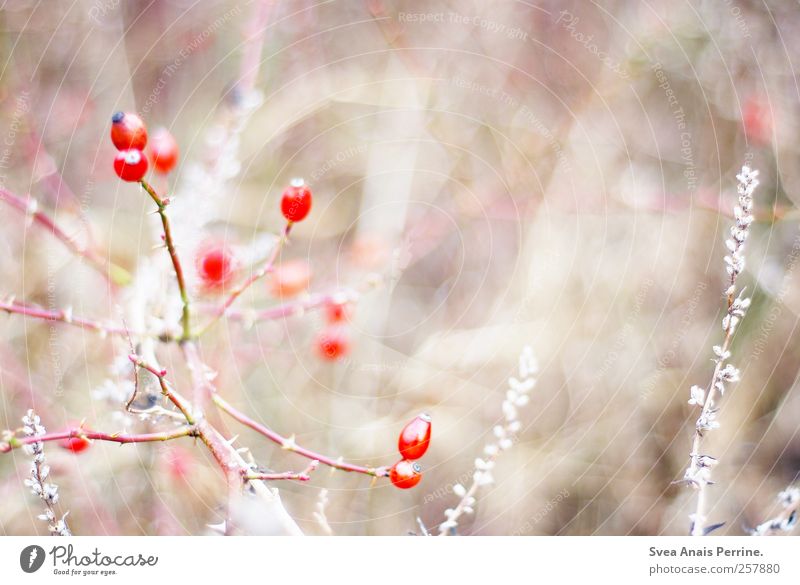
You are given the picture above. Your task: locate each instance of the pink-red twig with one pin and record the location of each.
(117, 274)
(290, 445)
(16, 442)
(161, 204)
(63, 316)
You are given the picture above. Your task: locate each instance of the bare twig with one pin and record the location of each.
(290, 445)
(63, 316)
(161, 204)
(116, 273)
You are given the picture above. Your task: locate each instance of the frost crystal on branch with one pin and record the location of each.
(698, 474)
(40, 471)
(504, 434)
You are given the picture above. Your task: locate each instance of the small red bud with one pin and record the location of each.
(163, 151)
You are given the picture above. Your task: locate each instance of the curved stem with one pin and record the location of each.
(107, 268)
(173, 254)
(290, 445)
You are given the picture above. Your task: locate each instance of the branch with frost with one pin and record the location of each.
(40, 471)
(698, 474)
(785, 521)
(504, 433)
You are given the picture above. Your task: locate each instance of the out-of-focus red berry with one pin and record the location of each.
(757, 120)
(333, 343)
(216, 265)
(405, 474)
(163, 151)
(130, 165)
(337, 312)
(75, 444)
(128, 131)
(415, 437)
(296, 201)
(290, 278)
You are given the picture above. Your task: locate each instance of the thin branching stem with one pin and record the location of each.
(290, 445)
(161, 204)
(108, 269)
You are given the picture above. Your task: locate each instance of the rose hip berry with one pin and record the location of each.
(337, 312)
(333, 343)
(215, 266)
(405, 474)
(163, 151)
(128, 131)
(290, 278)
(415, 437)
(296, 201)
(75, 444)
(130, 165)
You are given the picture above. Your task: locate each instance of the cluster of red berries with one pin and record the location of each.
(129, 135)
(412, 444)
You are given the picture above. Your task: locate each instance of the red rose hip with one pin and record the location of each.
(216, 266)
(128, 131)
(405, 474)
(337, 312)
(163, 151)
(130, 165)
(74, 444)
(296, 201)
(415, 437)
(333, 343)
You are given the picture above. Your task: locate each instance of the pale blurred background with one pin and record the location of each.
(558, 174)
